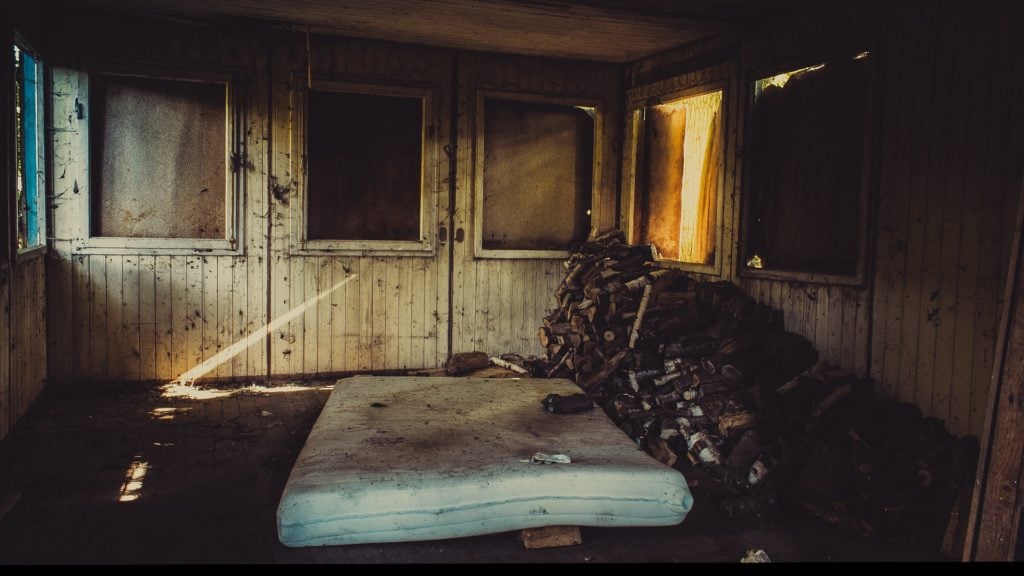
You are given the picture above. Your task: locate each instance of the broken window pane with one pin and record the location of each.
(29, 150)
(365, 166)
(538, 162)
(807, 168)
(159, 157)
(678, 177)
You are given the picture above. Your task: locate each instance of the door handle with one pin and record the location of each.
(442, 234)
(459, 235)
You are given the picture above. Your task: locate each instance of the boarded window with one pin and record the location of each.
(159, 157)
(678, 177)
(807, 167)
(29, 150)
(365, 166)
(538, 162)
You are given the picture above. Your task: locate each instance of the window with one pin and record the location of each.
(807, 169)
(678, 165)
(365, 165)
(30, 159)
(535, 176)
(161, 161)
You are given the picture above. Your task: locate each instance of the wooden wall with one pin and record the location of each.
(393, 314)
(948, 169)
(22, 338)
(22, 276)
(498, 303)
(153, 314)
(952, 158)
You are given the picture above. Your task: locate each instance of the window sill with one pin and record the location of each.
(156, 247)
(856, 281)
(364, 248)
(30, 254)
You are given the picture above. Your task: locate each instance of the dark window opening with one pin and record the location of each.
(806, 170)
(159, 157)
(365, 155)
(538, 163)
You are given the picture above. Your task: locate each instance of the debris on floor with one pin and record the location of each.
(755, 557)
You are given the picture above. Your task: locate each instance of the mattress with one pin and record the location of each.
(394, 459)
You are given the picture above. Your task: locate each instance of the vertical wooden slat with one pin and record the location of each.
(914, 286)
(257, 315)
(418, 298)
(147, 318)
(944, 388)
(226, 337)
(403, 292)
(179, 316)
(393, 313)
(194, 311)
(217, 313)
(991, 270)
(895, 138)
(115, 327)
(929, 311)
(98, 320)
(325, 316)
(207, 321)
(239, 322)
(130, 318)
(363, 308)
(308, 280)
(81, 315)
(338, 324)
(378, 294)
(163, 317)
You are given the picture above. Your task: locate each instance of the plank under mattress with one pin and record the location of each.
(395, 459)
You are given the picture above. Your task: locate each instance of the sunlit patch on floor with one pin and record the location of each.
(167, 412)
(131, 488)
(192, 392)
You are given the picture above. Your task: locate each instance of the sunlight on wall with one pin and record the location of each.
(189, 377)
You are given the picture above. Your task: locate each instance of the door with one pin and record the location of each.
(389, 267)
(358, 264)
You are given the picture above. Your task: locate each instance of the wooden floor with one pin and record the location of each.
(129, 475)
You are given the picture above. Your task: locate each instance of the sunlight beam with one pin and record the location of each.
(189, 377)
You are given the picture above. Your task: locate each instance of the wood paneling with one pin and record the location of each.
(28, 314)
(498, 303)
(950, 169)
(393, 311)
(154, 313)
(22, 338)
(949, 163)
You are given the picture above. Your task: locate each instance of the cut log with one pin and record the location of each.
(463, 362)
(550, 537)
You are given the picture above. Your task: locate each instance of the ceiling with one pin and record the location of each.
(606, 30)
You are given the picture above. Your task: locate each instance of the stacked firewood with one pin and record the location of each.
(671, 359)
(705, 379)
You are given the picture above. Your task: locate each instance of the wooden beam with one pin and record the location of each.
(996, 503)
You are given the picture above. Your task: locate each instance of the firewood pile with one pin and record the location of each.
(707, 380)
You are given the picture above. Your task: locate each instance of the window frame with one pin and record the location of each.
(430, 182)
(42, 155)
(869, 168)
(234, 156)
(479, 252)
(636, 102)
